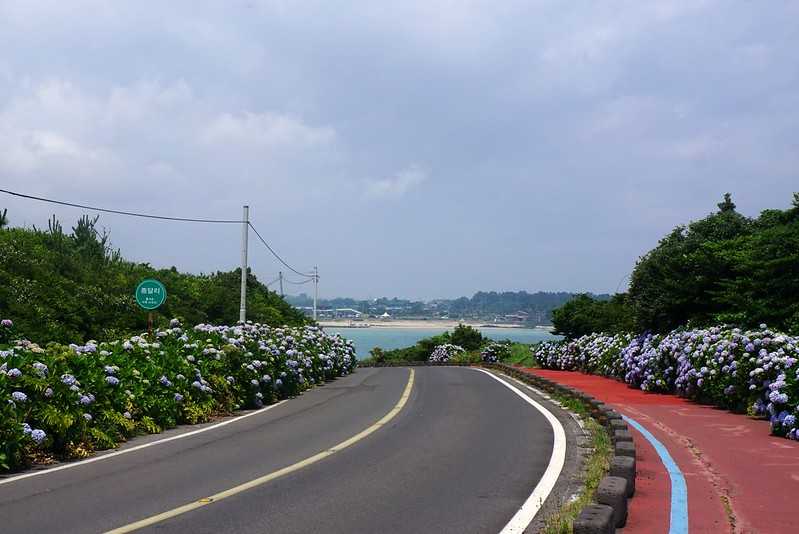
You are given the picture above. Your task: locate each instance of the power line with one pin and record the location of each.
(273, 281)
(119, 212)
(275, 254)
(298, 283)
(310, 277)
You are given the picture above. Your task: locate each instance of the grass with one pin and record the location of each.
(597, 465)
(520, 354)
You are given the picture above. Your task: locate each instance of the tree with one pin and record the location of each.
(72, 288)
(467, 337)
(725, 268)
(677, 281)
(584, 314)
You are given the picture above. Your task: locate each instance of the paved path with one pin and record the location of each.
(461, 455)
(740, 479)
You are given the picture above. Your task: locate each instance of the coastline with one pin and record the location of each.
(419, 323)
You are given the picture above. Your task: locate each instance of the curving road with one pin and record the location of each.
(458, 452)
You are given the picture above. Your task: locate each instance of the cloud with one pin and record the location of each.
(265, 131)
(560, 124)
(397, 185)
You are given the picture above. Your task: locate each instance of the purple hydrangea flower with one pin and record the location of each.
(112, 380)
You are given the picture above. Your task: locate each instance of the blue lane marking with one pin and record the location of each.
(679, 491)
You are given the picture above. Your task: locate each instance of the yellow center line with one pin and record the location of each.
(152, 520)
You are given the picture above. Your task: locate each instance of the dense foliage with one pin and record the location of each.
(583, 315)
(74, 287)
(743, 370)
(70, 400)
(465, 336)
(723, 269)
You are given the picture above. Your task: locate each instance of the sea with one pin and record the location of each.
(394, 338)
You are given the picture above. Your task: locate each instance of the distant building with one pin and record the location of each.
(518, 317)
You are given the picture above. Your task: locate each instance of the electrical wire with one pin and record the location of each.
(273, 281)
(298, 283)
(119, 212)
(275, 254)
(310, 277)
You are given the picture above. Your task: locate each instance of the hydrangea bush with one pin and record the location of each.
(754, 371)
(495, 352)
(69, 400)
(443, 353)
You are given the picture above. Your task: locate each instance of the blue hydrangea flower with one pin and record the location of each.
(178, 397)
(112, 380)
(19, 396)
(68, 379)
(14, 373)
(38, 436)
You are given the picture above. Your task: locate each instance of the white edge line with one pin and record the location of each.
(522, 519)
(138, 447)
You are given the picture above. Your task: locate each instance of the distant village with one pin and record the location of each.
(520, 317)
(519, 307)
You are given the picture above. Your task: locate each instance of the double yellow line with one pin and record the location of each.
(152, 520)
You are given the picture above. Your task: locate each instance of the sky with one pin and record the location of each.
(421, 149)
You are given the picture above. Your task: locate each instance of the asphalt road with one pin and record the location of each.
(462, 455)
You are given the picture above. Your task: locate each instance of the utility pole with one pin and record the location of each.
(315, 289)
(244, 226)
(280, 275)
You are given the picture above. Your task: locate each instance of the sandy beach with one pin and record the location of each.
(413, 323)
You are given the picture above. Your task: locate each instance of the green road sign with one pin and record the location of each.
(150, 294)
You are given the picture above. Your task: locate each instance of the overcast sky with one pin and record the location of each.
(419, 149)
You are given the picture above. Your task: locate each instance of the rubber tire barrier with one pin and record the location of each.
(612, 491)
(622, 435)
(595, 519)
(624, 467)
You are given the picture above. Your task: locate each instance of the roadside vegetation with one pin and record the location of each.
(65, 401)
(71, 287)
(464, 344)
(723, 269)
(712, 314)
(597, 464)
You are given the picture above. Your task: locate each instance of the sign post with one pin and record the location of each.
(150, 294)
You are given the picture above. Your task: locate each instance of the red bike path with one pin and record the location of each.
(739, 478)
